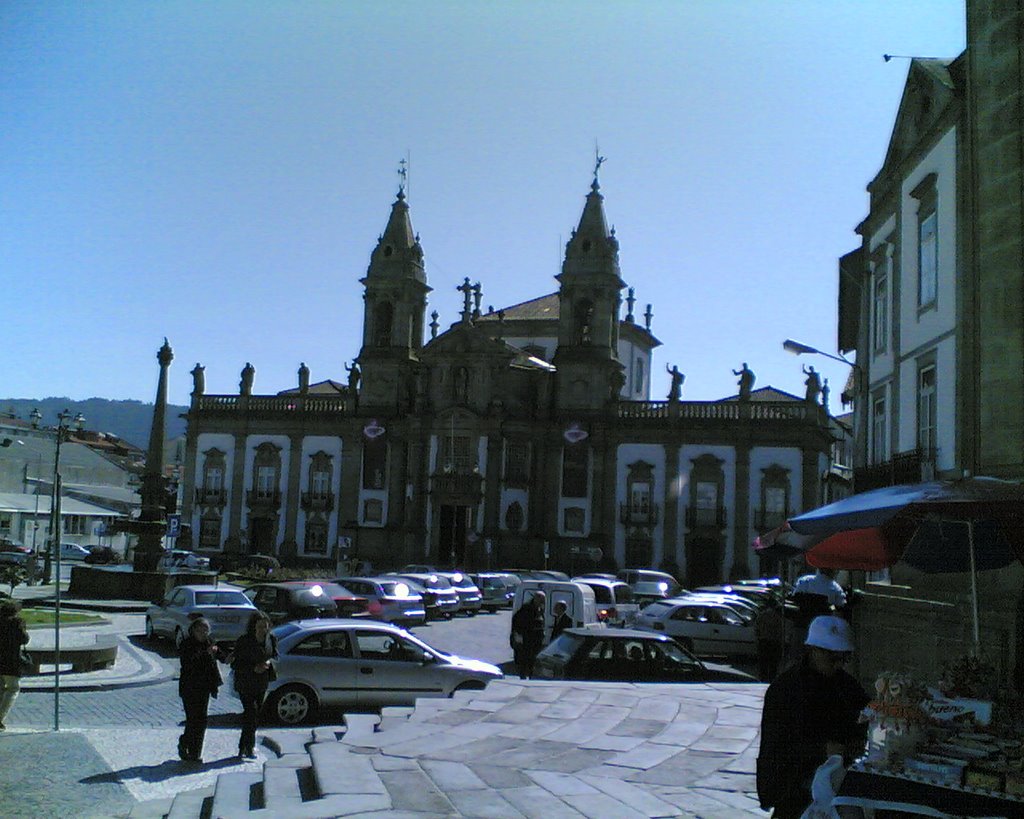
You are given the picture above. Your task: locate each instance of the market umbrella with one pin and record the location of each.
(968, 525)
(783, 542)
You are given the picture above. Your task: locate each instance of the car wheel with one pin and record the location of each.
(471, 612)
(294, 704)
(469, 685)
(150, 633)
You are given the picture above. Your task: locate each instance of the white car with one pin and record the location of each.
(706, 627)
(226, 607)
(616, 605)
(362, 663)
(183, 559)
(72, 551)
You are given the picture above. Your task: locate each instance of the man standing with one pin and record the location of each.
(810, 713)
(527, 637)
(562, 619)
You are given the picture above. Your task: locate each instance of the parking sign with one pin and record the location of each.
(173, 525)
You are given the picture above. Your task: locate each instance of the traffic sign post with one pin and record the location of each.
(173, 526)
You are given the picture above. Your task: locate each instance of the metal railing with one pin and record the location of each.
(632, 515)
(256, 498)
(210, 497)
(904, 467)
(317, 501)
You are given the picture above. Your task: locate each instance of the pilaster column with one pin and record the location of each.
(294, 499)
(741, 516)
(671, 546)
(237, 486)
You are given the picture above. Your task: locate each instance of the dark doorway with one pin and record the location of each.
(451, 544)
(261, 539)
(703, 563)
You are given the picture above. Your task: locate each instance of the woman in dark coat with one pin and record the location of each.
(13, 635)
(253, 671)
(199, 680)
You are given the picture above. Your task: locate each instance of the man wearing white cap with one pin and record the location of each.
(810, 713)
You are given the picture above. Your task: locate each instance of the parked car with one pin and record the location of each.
(706, 627)
(102, 555)
(72, 551)
(495, 591)
(757, 594)
(439, 596)
(235, 562)
(226, 607)
(579, 601)
(419, 568)
(615, 603)
(626, 655)
(648, 584)
(537, 574)
(305, 600)
(470, 599)
(362, 663)
(182, 559)
(748, 609)
(388, 598)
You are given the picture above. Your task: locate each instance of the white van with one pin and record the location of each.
(581, 604)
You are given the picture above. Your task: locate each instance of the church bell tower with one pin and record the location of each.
(589, 373)
(395, 302)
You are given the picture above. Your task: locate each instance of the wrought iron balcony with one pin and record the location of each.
(637, 515)
(458, 483)
(318, 501)
(705, 518)
(904, 467)
(262, 499)
(210, 497)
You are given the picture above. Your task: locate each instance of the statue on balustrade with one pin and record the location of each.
(303, 378)
(746, 381)
(198, 379)
(248, 376)
(813, 384)
(675, 392)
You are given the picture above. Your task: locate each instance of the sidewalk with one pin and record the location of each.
(516, 749)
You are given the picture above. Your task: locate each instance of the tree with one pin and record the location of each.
(12, 574)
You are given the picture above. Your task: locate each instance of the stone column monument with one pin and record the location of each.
(151, 525)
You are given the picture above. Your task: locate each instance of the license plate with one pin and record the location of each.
(226, 618)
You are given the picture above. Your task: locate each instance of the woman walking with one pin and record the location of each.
(199, 680)
(13, 635)
(253, 671)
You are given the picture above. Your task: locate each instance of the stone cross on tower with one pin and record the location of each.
(630, 301)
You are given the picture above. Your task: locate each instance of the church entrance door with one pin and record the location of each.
(703, 562)
(451, 543)
(261, 540)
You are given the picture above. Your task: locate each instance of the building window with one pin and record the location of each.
(374, 464)
(881, 309)
(573, 518)
(316, 538)
(383, 318)
(774, 497)
(517, 463)
(458, 453)
(73, 524)
(514, 517)
(926, 408)
(706, 503)
(879, 439)
(583, 320)
(373, 511)
(266, 481)
(927, 241)
(213, 480)
(6, 519)
(320, 475)
(209, 533)
(638, 376)
(575, 462)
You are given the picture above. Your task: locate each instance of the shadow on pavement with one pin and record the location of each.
(158, 773)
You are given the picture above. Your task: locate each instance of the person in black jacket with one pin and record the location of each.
(199, 680)
(13, 635)
(562, 619)
(811, 711)
(253, 671)
(527, 637)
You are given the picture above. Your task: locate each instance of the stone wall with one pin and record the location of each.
(103, 583)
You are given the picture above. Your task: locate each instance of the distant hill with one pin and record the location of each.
(129, 420)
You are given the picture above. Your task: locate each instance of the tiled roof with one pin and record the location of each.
(767, 394)
(328, 387)
(544, 307)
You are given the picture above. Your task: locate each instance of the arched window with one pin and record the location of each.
(383, 319)
(583, 320)
(514, 517)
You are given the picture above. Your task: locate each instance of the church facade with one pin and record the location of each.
(521, 437)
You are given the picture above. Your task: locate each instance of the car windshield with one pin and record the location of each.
(623, 594)
(221, 598)
(396, 589)
(657, 609)
(565, 646)
(492, 583)
(602, 594)
(333, 590)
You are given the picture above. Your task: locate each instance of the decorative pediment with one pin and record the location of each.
(929, 90)
(466, 339)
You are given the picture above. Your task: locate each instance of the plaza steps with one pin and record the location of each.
(314, 774)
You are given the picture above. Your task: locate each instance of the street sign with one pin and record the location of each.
(173, 525)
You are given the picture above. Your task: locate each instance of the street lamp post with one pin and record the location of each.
(63, 434)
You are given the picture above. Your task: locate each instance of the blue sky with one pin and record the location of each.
(218, 173)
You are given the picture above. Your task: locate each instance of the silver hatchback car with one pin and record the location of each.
(362, 664)
(226, 607)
